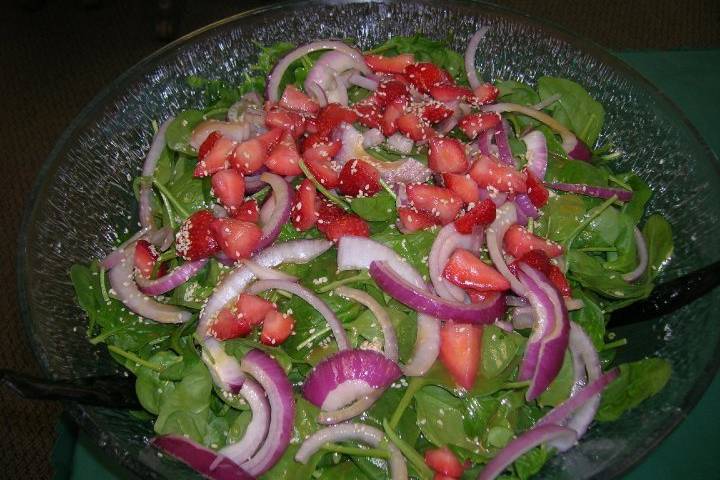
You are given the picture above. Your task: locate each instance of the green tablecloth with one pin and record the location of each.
(692, 80)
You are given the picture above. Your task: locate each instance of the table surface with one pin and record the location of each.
(690, 78)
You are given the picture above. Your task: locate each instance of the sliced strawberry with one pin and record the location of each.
(443, 461)
(323, 172)
(435, 112)
(464, 186)
(304, 212)
(389, 91)
(236, 238)
(194, 239)
(333, 115)
(467, 271)
(518, 241)
(556, 276)
(449, 93)
(294, 99)
(483, 213)
(253, 308)
(359, 178)
(284, 158)
(413, 220)
(216, 159)
(475, 123)
(396, 64)
(277, 327)
(311, 125)
(477, 297)
(393, 111)
(229, 187)
(312, 140)
(250, 155)
(271, 137)
(323, 151)
(287, 120)
(369, 114)
(426, 75)
(346, 225)
(208, 144)
(327, 214)
(145, 257)
(537, 192)
(413, 127)
(485, 93)
(248, 212)
(440, 202)
(228, 324)
(539, 260)
(488, 172)
(460, 351)
(447, 155)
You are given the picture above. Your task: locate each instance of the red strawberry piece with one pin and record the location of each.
(228, 325)
(229, 187)
(475, 123)
(449, 93)
(288, 121)
(537, 192)
(518, 241)
(485, 93)
(333, 115)
(488, 172)
(467, 271)
(208, 144)
(368, 113)
(393, 111)
(248, 212)
(447, 155)
(145, 257)
(216, 159)
(346, 225)
(277, 327)
(477, 297)
(194, 239)
(435, 112)
(443, 461)
(304, 212)
(464, 186)
(413, 220)
(236, 238)
(323, 151)
(539, 260)
(439, 202)
(323, 171)
(426, 75)
(460, 352)
(312, 140)
(359, 179)
(396, 64)
(388, 92)
(556, 276)
(251, 154)
(311, 125)
(327, 214)
(271, 137)
(414, 128)
(294, 99)
(253, 308)
(284, 158)
(482, 213)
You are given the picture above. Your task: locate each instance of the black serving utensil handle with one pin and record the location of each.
(106, 391)
(669, 296)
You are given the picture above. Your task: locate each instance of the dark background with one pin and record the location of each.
(55, 55)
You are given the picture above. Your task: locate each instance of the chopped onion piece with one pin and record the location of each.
(470, 52)
(642, 253)
(203, 460)
(257, 429)
(171, 280)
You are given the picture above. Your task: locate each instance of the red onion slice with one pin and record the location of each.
(486, 312)
(233, 284)
(302, 292)
(348, 376)
(257, 429)
(203, 460)
(390, 345)
(526, 207)
(373, 138)
(363, 82)
(353, 432)
(485, 144)
(523, 444)
(265, 273)
(400, 143)
(125, 289)
(270, 375)
(236, 112)
(505, 217)
(156, 148)
(547, 102)
(351, 411)
(537, 153)
(114, 257)
(593, 191)
(449, 123)
(171, 280)
(238, 132)
(447, 241)
(282, 198)
(224, 369)
(470, 52)
(642, 258)
(503, 144)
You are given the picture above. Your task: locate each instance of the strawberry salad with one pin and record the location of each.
(378, 265)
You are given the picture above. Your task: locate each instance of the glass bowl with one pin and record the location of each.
(83, 196)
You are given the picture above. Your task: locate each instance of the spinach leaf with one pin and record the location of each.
(568, 170)
(637, 382)
(414, 247)
(658, 236)
(575, 109)
(499, 348)
(405, 330)
(531, 462)
(591, 317)
(590, 273)
(179, 131)
(522, 94)
(559, 389)
(346, 470)
(185, 188)
(149, 387)
(378, 208)
(635, 208)
(440, 418)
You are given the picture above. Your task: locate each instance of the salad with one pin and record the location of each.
(377, 265)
